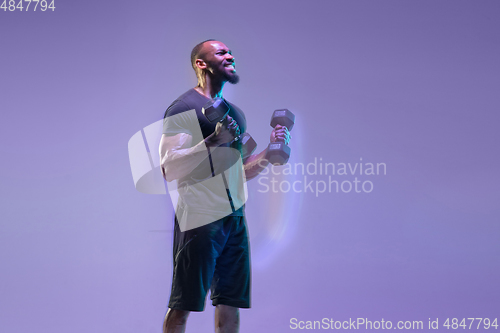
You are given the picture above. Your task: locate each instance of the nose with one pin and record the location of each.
(229, 57)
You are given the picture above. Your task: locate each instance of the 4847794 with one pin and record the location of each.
(13, 5)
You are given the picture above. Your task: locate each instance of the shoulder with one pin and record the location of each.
(188, 101)
(177, 106)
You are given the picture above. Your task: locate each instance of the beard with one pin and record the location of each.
(220, 73)
(232, 78)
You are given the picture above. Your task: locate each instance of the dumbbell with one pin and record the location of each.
(278, 152)
(247, 145)
(216, 111)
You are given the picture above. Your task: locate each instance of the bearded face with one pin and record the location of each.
(223, 70)
(220, 62)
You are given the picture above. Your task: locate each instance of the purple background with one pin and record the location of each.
(413, 84)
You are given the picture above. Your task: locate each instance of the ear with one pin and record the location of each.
(200, 63)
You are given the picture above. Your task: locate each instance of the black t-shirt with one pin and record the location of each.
(185, 115)
(194, 100)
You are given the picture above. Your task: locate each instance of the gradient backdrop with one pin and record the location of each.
(412, 84)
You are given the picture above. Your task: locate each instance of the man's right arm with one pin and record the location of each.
(179, 159)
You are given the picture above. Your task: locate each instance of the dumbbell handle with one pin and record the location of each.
(279, 139)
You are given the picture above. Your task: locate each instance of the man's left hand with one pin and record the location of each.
(280, 134)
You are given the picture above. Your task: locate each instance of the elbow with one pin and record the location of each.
(167, 169)
(167, 174)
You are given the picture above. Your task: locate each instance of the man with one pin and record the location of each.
(214, 255)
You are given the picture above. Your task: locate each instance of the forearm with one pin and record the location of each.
(254, 164)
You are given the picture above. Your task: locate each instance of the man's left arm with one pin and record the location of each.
(254, 164)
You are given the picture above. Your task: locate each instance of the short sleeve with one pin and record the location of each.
(176, 120)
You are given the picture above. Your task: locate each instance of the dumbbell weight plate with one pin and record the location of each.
(215, 110)
(283, 117)
(246, 144)
(278, 153)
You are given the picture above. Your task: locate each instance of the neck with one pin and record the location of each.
(209, 87)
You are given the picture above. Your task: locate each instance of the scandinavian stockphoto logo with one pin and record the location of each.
(318, 177)
(196, 203)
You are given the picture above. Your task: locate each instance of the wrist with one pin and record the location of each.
(210, 140)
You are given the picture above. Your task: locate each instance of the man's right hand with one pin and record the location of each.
(225, 132)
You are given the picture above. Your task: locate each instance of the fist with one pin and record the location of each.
(280, 134)
(226, 131)
(232, 126)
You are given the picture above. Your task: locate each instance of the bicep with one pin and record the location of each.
(169, 144)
